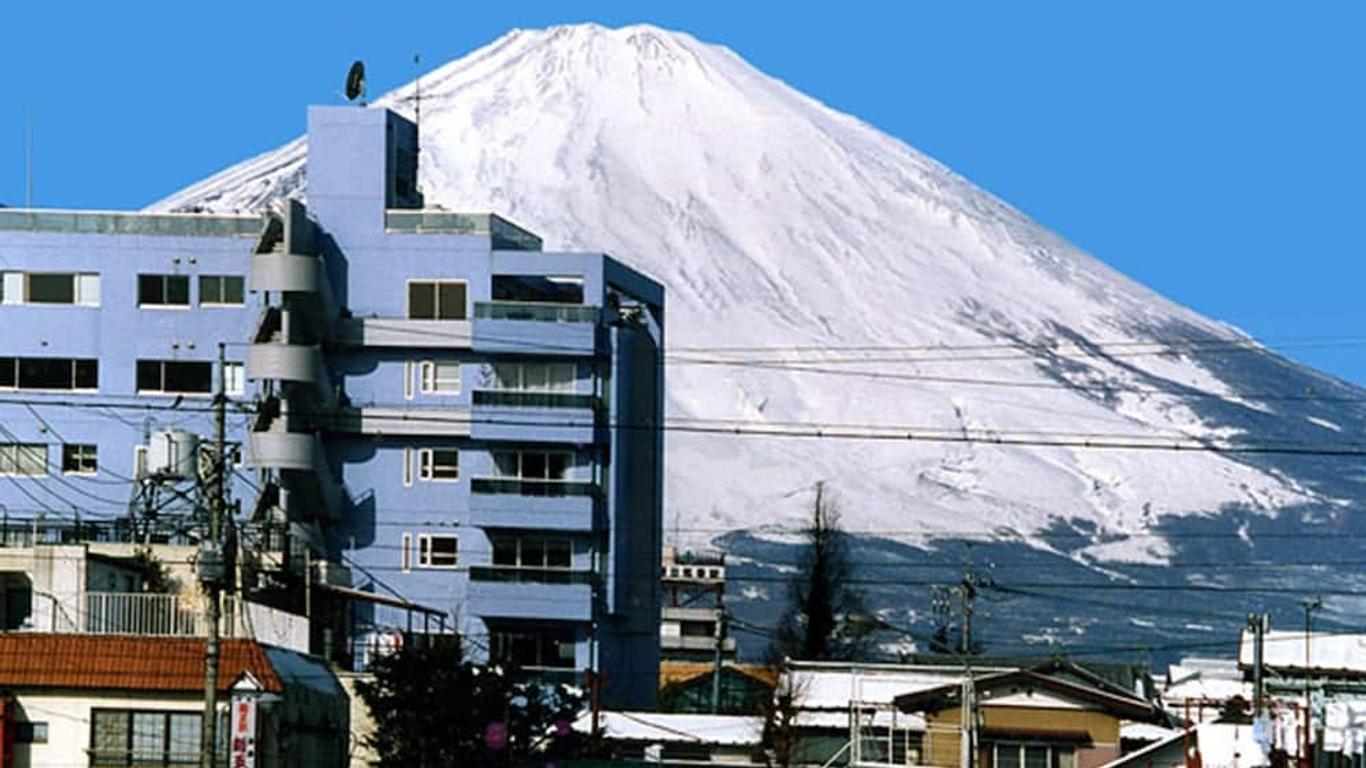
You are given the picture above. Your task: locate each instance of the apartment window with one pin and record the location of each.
(222, 290)
(437, 551)
(174, 377)
(81, 288)
(531, 552)
(532, 465)
(79, 459)
(436, 300)
(234, 378)
(440, 378)
(534, 377)
(163, 290)
(1010, 754)
(124, 737)
(553, 648)
(23, 459)
(405, 558)
(439, 464)
(50, 373)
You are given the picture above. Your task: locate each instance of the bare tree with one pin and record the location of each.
(817, 625)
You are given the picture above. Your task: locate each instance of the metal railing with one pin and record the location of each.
(520, 398)
(111, 223)
(520, 486)
(542, 312)
(140, 613)
(505, 234)
(509, 574)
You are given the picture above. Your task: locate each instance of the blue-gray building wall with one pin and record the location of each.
(367, 409)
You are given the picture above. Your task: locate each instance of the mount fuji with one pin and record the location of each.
(831, 283)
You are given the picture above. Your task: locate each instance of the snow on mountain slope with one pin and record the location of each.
(776, 222)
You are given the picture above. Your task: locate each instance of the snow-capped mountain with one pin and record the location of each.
(822, 272)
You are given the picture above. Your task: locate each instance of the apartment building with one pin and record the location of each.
(439, 427)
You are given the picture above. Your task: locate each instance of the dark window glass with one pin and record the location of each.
(87, 374)
(189, 377)
(52, 289)
(442, 551)
(221, 289)
(422, 301)
(45, 373)
(149, 376)
(80, 458)
(557, 466)
(557, 553)
(151, 290)
(164, 290)
(8, 377)
(451, 301)
(534, 466)
(504, 551)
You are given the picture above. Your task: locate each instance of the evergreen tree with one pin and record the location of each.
(822, 619)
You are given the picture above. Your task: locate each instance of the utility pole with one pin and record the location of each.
(1258, 624)
(212, 567)
(967, 592)
(716, 665)
(1309, 607)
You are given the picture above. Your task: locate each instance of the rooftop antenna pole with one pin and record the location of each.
(28, 171)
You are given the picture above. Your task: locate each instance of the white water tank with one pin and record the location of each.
(174, 454)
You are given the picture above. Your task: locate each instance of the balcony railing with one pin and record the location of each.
(521, 575)
(527, 487)
(504, 234)
(534, 311)
(102, 222)
(516, 398)
(138, 613)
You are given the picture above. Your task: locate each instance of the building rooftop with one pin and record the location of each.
(130, 223)
(126, 662)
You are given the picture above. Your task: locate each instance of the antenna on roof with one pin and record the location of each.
(355, 82)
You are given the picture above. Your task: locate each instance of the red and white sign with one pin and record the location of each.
(242, 745)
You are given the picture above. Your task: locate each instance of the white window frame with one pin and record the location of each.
(436, 283)
(431, 383)
(521, 383)
(405, 560)
(408, 367)
(408, 467)
(521, 475)
(424, 551)
(234, 378)
(81, 457)
(18, 362)
(221, 279)
(85, 289)
(426, 464)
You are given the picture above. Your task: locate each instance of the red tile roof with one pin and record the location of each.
(126, 662)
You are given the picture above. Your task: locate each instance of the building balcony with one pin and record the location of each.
(107, 223)
(554, 417)
(173, 615)
(401, 332)
(509, 510)
(503, 234)
(696, 643)
(540, 593)
(532, 328)
(522, 486)
(407, 422)
(301, 363)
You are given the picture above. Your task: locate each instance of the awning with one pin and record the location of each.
(372, 597)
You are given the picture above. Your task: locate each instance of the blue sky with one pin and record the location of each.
(1211, 150)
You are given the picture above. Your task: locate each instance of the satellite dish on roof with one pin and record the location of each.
(355, 82)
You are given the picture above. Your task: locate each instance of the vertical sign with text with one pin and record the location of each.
(243, 731)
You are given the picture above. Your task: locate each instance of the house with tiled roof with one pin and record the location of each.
(129, 700)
